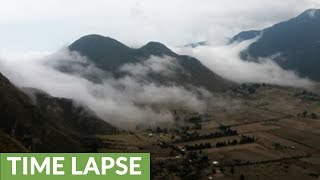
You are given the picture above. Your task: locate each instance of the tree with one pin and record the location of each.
(221, 169)
(214, 170)
(304, 114)
(313, 116)
(251, 90)
(172, 137)
(232, 170)
(158, 130)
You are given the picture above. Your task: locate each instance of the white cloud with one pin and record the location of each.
(125, 102)
(225, 61)
(165, 66)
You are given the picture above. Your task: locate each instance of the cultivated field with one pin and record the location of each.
(283, 122)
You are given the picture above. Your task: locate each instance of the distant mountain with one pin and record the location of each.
(197, 44)
(98, 48)
(245, 35)
(109, 55)
(296, 42)
(31, 120)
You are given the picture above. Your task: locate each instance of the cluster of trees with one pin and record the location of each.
(308, 95)
(197, 126)
(249, 88)
(195, 119)
(163, 130)
(187, 137)
(198, 160)
(159, 130)
(306, 114)
(200, 146)
(243, 140)
(193, 165)
(246, 139)
(165, 145)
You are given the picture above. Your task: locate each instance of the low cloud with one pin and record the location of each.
(165, 66)
(123, 101)
(225, 60)
(135, 99)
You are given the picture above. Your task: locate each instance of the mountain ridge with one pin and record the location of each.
(44, 123)
(296, 44)
(111, 60)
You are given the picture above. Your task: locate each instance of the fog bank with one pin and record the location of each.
(225, 60)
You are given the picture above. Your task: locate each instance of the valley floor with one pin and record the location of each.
(284, 124)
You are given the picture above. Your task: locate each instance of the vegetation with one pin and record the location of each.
(224, 131)
(244, 140)
(306, 114)
(50, 125)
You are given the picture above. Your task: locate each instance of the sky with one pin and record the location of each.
(34, 26)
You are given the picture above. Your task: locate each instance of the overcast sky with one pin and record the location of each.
(47, 25)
